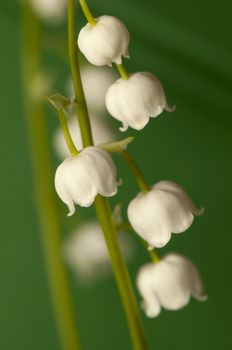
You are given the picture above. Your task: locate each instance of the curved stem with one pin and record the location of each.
(136, 171)
(43, 184)
(63, 124)
(103, 210)
(87, 13)
(122, 71)
(82, 111)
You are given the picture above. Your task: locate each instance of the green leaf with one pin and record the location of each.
(117, 146)
(58, 101)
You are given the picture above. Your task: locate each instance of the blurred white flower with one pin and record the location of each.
(102, 133)
(79, 179)
(169, 283)
(86, 253)
(50, 10)
(105, 42)
(134, 100)
(96, 81)
(164, 210)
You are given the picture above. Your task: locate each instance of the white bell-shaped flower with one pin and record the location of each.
(105, 42)
(102, 133)
(79, 179)
(169, 284)
(86, 253)
(134, 100)
(96, 81)
(164, 210)
(50, 10)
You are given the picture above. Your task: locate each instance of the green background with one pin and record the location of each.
(187, 44)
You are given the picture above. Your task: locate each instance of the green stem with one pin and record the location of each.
(136, 171)
(63, 124)
(152, 253)
(103, 210)
(82, 111)
(43, 184)
(121, 273)
(123, 225)
(87, 13)
(122, 71)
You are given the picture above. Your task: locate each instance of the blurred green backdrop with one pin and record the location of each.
(187, 44)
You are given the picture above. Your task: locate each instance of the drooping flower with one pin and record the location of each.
(86, 253)
(134, 100)
(102, 133)
(169, 283)
(105, 42)
(164, 210)
(79, 179)
(50, 10)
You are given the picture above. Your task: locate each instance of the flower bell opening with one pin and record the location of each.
(135, 100)
(164, 210)
(169, 284)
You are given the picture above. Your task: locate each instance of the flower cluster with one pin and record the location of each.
(158, 210)
(135, 98)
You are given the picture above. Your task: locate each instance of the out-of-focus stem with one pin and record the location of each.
(43, 184)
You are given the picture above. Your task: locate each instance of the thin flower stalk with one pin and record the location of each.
(44, 194)
(102, 205)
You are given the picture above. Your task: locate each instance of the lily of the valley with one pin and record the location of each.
(105, 42)
(163, 210)
(50, 10)
(86, 253)
(79, 179)
(169, 284)
(134, 100)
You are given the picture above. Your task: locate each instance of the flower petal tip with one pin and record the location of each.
(119, 182)
(127, 55)
(202, 298)
(123, 128)
(170, 108)
(71, 212)
(199, 212)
